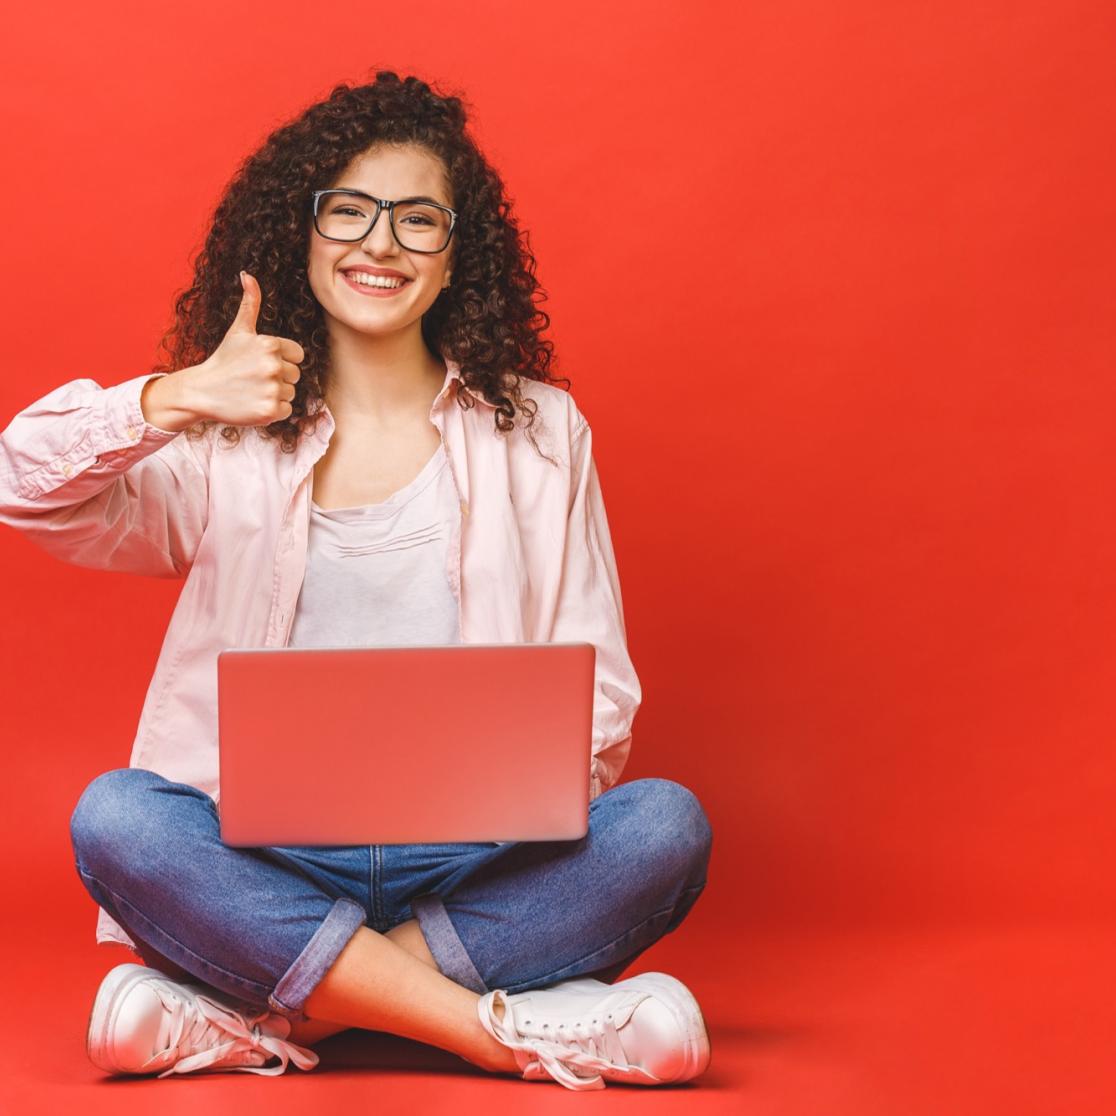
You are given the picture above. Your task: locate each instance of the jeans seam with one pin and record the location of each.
(377, 896)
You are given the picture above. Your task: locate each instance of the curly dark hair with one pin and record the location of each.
(486, 320)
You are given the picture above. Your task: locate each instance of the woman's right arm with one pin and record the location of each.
(91, 478)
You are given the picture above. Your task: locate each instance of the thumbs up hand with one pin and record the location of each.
(249, 379)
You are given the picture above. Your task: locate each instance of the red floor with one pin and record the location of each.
(1012, 1020)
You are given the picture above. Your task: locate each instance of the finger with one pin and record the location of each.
(290, 372)
(249, 309)
(291, 350)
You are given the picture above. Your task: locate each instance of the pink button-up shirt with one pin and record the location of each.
(84, 476)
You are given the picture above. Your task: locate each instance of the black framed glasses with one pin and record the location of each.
(419, 225)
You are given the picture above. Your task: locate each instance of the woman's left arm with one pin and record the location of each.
(590, 608)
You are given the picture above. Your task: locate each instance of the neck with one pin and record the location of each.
(381, 379)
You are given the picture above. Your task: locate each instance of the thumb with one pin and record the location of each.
(249, 309)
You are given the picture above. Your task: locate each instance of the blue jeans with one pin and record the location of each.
(264, 925)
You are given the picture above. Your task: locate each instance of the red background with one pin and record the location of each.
(833, 285)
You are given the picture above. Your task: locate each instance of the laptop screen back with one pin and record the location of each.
(404, 745)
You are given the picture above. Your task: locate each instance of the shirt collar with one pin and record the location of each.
(453, 372)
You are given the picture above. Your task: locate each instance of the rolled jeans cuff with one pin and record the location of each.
(344, 919)
(444, 944)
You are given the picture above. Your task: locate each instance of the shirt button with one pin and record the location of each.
(67, 468)
(131, 431)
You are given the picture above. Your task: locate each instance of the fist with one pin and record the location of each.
(250, 378)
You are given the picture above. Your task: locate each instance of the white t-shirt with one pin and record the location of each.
(376, 573)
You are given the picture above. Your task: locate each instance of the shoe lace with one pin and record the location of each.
(590, 1044)
(221, 1037)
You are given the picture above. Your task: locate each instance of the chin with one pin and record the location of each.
(374, 324)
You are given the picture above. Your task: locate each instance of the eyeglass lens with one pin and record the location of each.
(421, 227)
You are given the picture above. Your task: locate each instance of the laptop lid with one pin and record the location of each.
(463, 742)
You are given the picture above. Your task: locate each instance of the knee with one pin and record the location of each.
(106, 807)
(674, 827)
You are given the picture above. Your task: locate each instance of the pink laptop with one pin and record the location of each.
(465, 742)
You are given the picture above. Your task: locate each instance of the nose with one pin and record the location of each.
(380, 241)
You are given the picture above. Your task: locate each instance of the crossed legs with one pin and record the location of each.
(148, 851)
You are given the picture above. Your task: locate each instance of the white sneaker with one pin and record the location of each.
(646, 1030)
(143, 1021)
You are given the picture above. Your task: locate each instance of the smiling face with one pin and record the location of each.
(389, 173)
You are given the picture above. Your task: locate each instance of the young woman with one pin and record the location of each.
(356, 441)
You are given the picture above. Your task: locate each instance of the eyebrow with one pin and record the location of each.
(412, 198)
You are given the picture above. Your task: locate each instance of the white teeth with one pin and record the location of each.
(367, 280)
